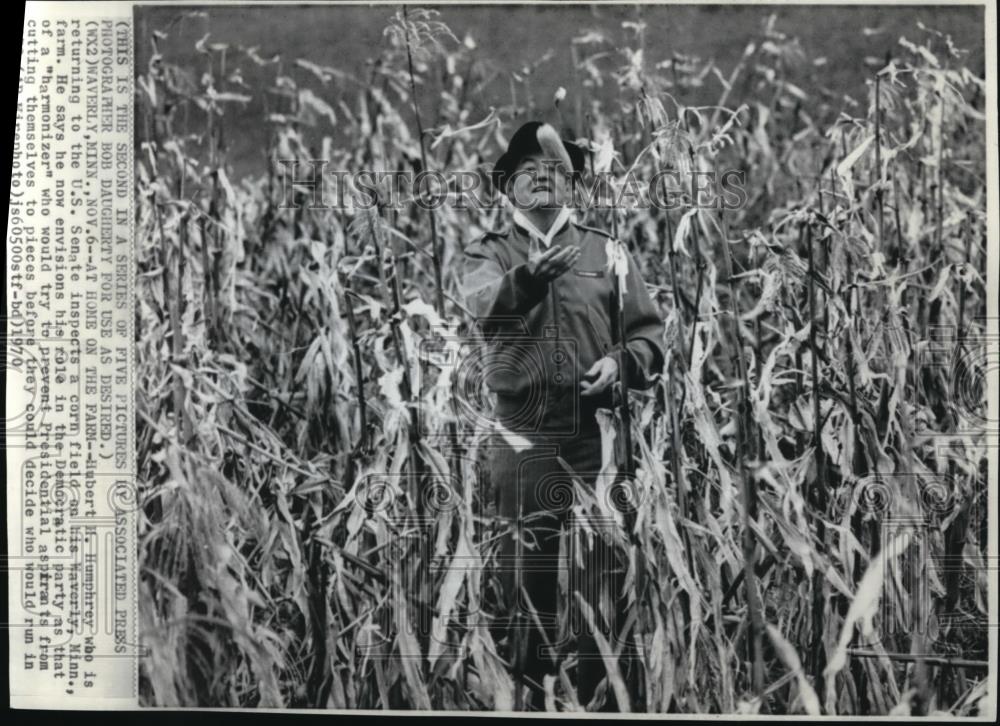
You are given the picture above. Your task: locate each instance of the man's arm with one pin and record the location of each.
(643, 331)
(495, 295)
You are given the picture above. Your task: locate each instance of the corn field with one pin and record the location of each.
(808, 523)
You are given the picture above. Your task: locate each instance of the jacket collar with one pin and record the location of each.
(565, 216)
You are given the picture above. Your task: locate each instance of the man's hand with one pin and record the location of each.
(554, 262)
(601, 375)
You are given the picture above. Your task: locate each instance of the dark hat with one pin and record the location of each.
(523, 143)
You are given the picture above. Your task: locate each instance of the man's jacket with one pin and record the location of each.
(542, 337)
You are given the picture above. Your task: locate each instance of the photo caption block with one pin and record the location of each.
(69, 359)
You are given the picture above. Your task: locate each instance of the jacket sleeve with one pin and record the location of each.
(643, 331)
(497, 297)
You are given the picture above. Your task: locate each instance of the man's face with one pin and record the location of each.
(540, 183)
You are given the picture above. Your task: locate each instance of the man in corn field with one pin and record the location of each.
(542, 295)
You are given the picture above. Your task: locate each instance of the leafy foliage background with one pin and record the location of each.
(808, 529)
